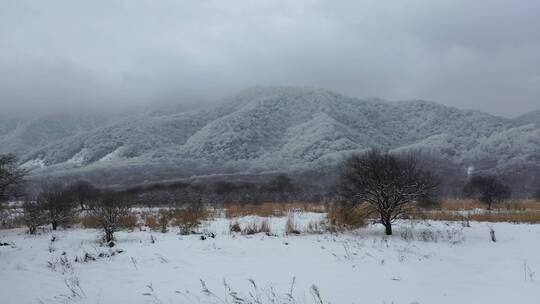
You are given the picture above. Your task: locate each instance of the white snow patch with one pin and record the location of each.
(34, 164)
(78, 158)
(438, 262)
(111, 156)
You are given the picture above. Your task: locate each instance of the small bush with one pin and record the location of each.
(265, 226)
(33, 216)
(164, 218)
(188, 219)
(317, 227)
(235, 227)
(250, 228)
(346, 216)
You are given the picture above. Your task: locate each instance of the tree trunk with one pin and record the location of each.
(388, 228)
(108, 236)
(54, 225)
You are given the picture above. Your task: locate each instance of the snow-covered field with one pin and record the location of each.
(424, 262)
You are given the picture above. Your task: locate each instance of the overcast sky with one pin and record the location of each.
(481, 54)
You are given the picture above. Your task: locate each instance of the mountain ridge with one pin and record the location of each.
(276, 128)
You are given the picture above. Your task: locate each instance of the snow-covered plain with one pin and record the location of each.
(424, 262)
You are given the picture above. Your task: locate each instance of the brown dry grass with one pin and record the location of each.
(129, 221)
(89, 221)
(530, 217)
(271, 209)
(454, 205)
(346, 217)
(189, 216)
(151, 222)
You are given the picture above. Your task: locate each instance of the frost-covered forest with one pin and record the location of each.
(269, 129)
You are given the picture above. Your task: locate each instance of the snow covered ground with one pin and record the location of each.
(424, 262)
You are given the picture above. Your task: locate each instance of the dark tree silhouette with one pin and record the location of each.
(109, 208)
(11, 177)
(83, 193)
(487, 189)
(57, 203)
(281, 187)
(537, 195)
(389, 183)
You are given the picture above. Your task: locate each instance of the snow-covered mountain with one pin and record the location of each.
(265, 129)
(532, 117)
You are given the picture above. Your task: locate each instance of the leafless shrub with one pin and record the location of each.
(265, 226)
(109, 210)
(318, 227)
(33, 216)
(235, 227)
(164, 218)
(189, 218)
(57, 205)
(250, 228)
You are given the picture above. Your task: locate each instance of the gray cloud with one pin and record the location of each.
(482, 54)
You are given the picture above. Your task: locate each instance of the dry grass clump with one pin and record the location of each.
(164, 218)
(252, 227)
(89, 221)
(346, 216)
(317, 227)
(290, 226)
(271, 209)
(188, 219)
(265, 226)
(129, 221)
(151, 222)
(235, 227)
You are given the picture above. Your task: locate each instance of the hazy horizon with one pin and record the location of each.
(58, 56)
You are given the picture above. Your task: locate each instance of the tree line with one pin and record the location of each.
(390, 184)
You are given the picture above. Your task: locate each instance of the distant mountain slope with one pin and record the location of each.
(23, 136)
(532, 117)
(281, 128)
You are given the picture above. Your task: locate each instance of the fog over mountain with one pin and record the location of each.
(267, 129)
(59, 55)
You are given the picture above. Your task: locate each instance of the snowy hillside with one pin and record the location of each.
(532, 117)
(282, 128)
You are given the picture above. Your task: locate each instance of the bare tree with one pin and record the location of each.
(83, 193)
(281, 187)
(33, 216)
(109, 209)
(57, 204)
(389, 183)
(487, 189)
(11, 177)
